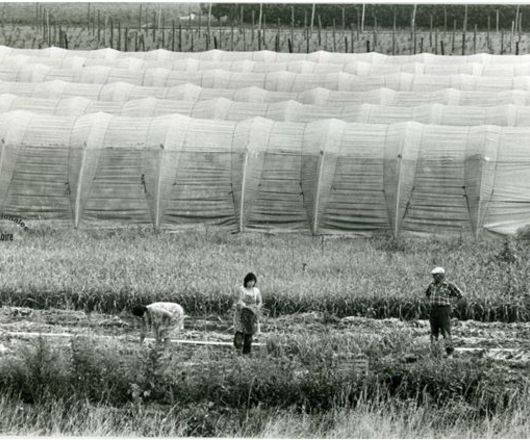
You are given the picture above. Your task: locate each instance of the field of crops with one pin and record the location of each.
(344, 347)
(108, 271)
(324, 299)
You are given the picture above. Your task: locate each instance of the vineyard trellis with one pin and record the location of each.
(151, 30)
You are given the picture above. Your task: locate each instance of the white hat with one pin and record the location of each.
(438, 270)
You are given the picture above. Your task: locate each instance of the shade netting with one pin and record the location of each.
(120, 91)
(225, 109)
(321, 57)
(275, 81)
(355, 67)
(324, 176)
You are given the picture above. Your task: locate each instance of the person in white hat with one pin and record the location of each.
(440, 293)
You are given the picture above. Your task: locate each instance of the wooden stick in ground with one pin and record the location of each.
(517, 9)
(44, 25)
(445, 18)
(48, 27)
(375, 33)
(241, 27)
(292, 23)
(153, 30)
(313, 11)
(488, 33)
(252, 29)
(497, 21)
(140, 18)
(88, 17)
(394, 34)
(277, 39)
(231, 34)
(362, 17)
(111, 43)
(454, 37)
(126, 40)
(358, 24)
(413, 28)
(180, 38)
(430, 32)
(99, 26)
(200, 23)
(520, 25)
(306, 32)
(173, 35)
(464, 31)
(163, 33)
(208, 25)
(319, 31)
(475, 39)
(263, 31)
(511, 36)
(436, 41)
(333, 35)
(119, 36)
(352, 40)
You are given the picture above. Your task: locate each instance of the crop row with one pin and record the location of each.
(110, 271)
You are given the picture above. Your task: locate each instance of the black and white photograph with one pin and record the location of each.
(265, 220)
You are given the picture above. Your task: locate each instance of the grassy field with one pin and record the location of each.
(301, 382)
(110, 270)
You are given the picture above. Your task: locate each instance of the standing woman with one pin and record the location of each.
(247, 307)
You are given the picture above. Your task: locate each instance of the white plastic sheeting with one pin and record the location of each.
(270, 57)
(275, 81)
(225, 109)
(258, 174)
(361, 68)
(120, 91)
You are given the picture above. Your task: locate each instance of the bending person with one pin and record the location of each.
(247, 307)
(161, 318)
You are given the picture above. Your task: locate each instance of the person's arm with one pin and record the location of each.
(238, 297)
(259, 300)
(455, 291)
(428, 291)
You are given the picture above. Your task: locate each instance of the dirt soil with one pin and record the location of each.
(18, 325)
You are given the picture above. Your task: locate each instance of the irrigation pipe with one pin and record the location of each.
(70, 335)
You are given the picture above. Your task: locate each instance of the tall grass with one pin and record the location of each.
(295, 389)
(109, 271)
(367, 420)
